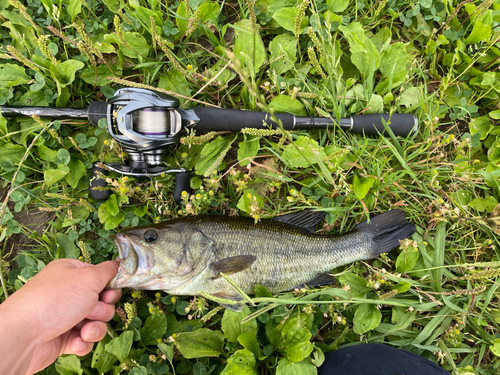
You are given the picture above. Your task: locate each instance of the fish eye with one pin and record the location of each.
(150, 235)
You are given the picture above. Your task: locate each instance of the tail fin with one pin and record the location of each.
(386, 230)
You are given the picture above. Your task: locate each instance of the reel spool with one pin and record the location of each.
(152, 122)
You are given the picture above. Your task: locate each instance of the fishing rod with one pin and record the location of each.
(146, 122)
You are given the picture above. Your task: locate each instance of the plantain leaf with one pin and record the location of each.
(154, 329)
(102, 360)
(65, 72)
(249, 341)
(285, 104)
(242, 362)
(362, 186)
(286, 18)
(495, 348)
(283, 49)
(286, 367)
(209, 12)
(375, 105)
(46, 153)
(74, 8)
(410, 97)
(69, 365)
(481, 31)
(212, 155)
(51, 176)
(232, 327)
(393, 67)
(407, 260)
(98, 75)
(296, 336)
(365, 55)
(203, 342)
(175, 81)
(484, 204)
(136, 44)
(70, 250)
(357, 285)
(120, 346)
(76, 172)
(337, 6)
(301, 155)
(248, 149)
(114, 5)
(12, 75)
(182, 21)
(249, 42)
(366, 318)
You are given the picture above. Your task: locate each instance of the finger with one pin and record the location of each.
(79, 326)
(111, 296)
(63, 263)
(93, 331)
(102, 311)
(75, 344)
(100, 275)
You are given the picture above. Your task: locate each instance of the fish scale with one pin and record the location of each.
(285, 258)
(185, 256)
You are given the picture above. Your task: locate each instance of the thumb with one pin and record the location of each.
(104, 272)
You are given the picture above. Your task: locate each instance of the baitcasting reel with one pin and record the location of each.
(146, 122)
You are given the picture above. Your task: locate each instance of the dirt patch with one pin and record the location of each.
(33, 220)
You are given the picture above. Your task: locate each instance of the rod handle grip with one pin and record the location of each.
(225, 119)
(401, 124)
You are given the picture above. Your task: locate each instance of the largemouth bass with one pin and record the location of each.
(186, 256)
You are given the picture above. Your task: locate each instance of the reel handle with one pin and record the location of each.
(181, 184)
(96, 181)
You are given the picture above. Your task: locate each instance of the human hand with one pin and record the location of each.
(62, 310)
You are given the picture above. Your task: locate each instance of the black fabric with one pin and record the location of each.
(377, 359)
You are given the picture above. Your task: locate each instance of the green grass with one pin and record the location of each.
(437, 296)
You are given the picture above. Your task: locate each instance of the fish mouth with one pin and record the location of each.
(139, 269)
(122, 243)
(135, 263)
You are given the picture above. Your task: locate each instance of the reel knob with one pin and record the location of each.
(181, 184)
(97, 182)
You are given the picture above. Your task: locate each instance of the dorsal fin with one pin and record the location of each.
(305, 219)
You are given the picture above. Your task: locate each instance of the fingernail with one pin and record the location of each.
(99, 310)
(94, 333)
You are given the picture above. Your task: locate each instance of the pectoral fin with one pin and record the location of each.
(232, 265)
(321, 279)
